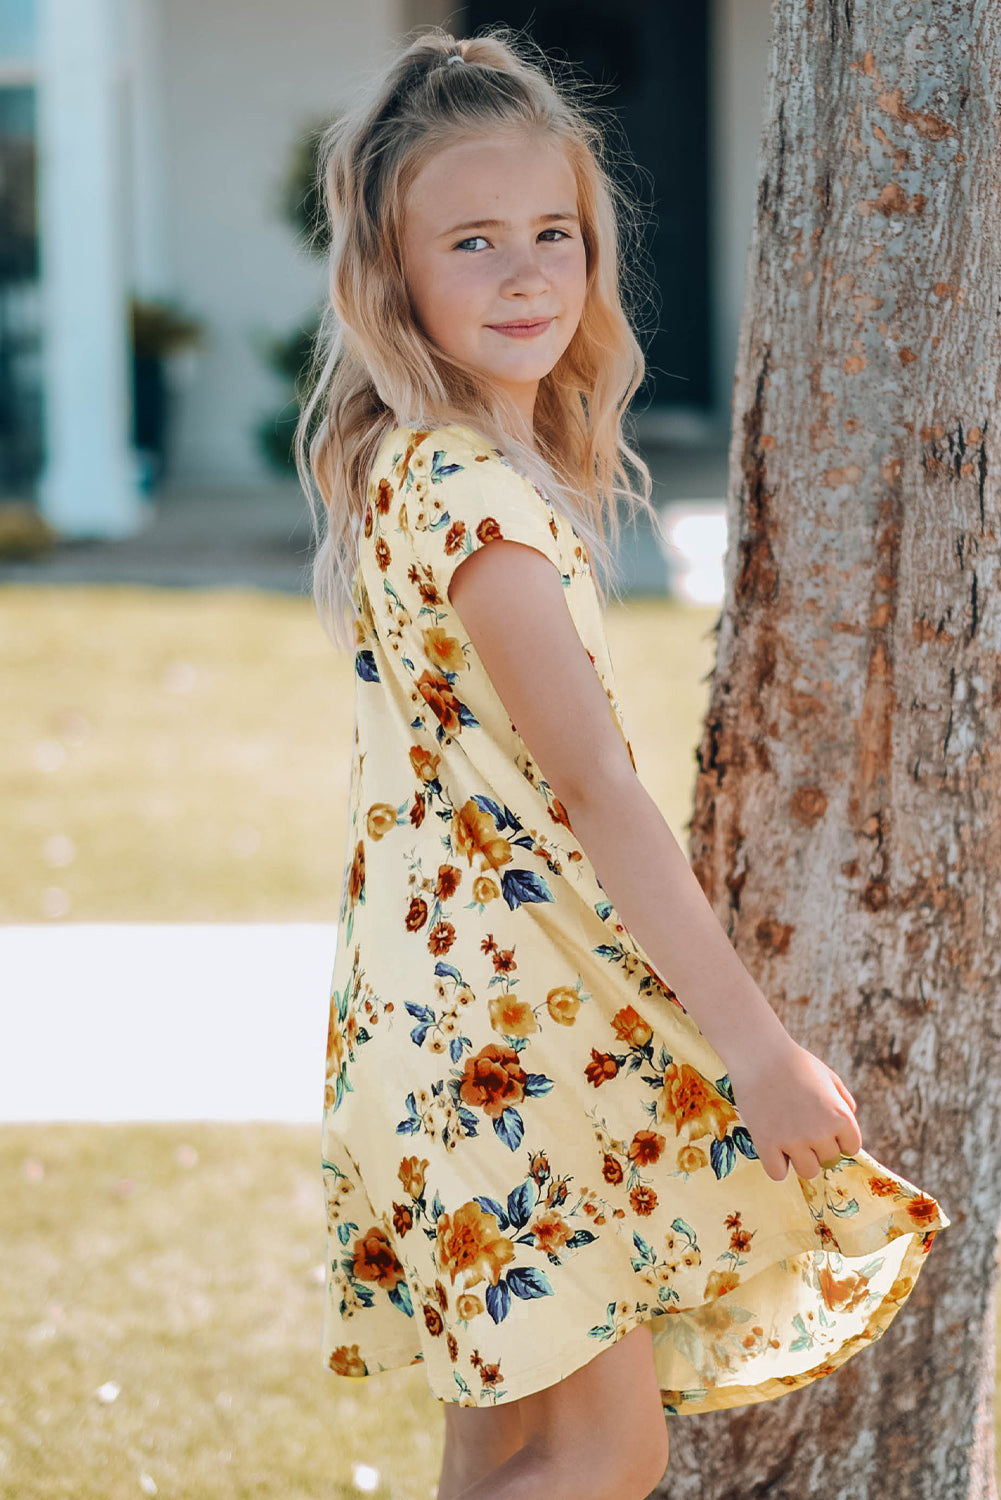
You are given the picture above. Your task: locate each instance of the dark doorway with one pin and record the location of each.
(652, 59)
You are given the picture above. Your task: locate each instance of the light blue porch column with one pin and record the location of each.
(90, 486)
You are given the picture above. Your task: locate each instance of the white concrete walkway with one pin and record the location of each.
(205, 1021)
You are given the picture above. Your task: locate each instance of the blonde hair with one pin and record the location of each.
(373, 368)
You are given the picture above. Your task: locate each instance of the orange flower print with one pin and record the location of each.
(601, 1067)
(437, 693)
(718, 1283)
(424, 763)
(511, 1016)
(485, 889)
(417, 914)
(441, 1294)
(433, 1320)
(472, 830)
(643, 1200)
(646, 1147)
(417, 811)
(692, 1158)
(385, 496)
(740, 1240)
(844, 1294)
(455, 538)
(369, 521)
(551, 1231)
(346, 1360)
(881, 1186)
(563, 1003)
(449, 877)
(559, 814)
(503, 960)
(493, 1079)
(612, 1169)
(470, 1241)
(383, 556)
(441, 937)
(453, 1346)
(380, 819)
(443, 649)
(412, 1174)
(375, 1260)
(922, 1209)
(489, 531)
(403, 1218)
(468, 1306)
(692, 1102)
(356, 875)
(631, 1028)
(335, 1044)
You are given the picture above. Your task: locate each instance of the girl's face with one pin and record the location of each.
(493, 257)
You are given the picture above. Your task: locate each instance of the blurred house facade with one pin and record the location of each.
(144, 153)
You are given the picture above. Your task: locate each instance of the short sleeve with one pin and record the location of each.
(460, 494)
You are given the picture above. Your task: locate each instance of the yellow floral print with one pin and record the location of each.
(529, 1148)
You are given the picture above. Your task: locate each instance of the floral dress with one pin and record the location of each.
(528, 1146)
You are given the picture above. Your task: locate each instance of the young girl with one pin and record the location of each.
(560, 1115)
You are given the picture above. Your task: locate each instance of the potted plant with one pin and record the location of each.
(159, 332)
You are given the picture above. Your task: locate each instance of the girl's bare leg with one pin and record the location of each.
(477, 1440)
(599, 1434)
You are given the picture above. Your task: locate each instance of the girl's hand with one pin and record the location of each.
(796, 1108)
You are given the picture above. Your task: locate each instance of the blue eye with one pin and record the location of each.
(472, 239)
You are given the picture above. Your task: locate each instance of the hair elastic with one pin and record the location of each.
(456, 57)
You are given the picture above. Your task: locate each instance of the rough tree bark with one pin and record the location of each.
(848, 806)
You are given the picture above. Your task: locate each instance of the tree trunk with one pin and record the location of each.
(848, 806)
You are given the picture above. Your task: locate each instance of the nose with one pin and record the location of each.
(524, 274)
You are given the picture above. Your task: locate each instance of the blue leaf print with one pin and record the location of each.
(400, 1297)
(442, 969)
(469, 1120)
(726, 1088)
(606, 950)
(536, 1084)
(524, 885)
(344, 1232)
(742, 1141)
(580, 1237)
(408, 1127)
(365, 666)
(419, 1033)
(604, 909)
(411, 1103)
(510, 1127)
(491, 1206)
(601, 1331)
(520, 1202)
(644, 1249)
(420, 1012)
(527, 1281)
(455, 1048)
(467, 719)
(440, 471)
(722, 1155)
(437, 1208)
(502, 815)
(498, 1301)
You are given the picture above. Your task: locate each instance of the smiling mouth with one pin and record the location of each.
(523, 328)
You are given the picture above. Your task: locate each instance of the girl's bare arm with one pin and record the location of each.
(510, 600)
